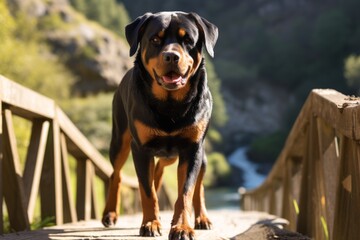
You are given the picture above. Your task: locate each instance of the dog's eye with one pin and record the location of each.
(156, 40)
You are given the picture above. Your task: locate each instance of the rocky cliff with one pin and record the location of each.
(97, 56)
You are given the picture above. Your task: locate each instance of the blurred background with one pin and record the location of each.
(269, 56)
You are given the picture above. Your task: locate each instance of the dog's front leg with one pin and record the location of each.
(188, 170)
(201, 217)
(144, 166)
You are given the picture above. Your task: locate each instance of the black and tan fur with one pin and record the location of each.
(162, 109)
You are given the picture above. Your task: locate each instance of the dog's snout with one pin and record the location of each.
(171, 57)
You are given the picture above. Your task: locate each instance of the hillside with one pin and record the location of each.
(60, 52)
(269, 55)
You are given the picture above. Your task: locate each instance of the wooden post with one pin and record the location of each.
(51, 182)
(85, 172)
(34, 163)
(328, 169)
(309, 219)
(347, 207)
(68, 198)
(13, 188)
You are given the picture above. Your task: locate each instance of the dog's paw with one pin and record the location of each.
(183, 232)
(151, 229)
(109, 219)
(203, 223)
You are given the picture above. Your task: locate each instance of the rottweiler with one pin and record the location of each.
(162, 109)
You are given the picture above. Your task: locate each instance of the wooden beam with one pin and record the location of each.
(34, 163)
(51, 182)
(85, 172)
(68, 198)
(24, 101)
(13, 188)
(58, 174)
(347, 207)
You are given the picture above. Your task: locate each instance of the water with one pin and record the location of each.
(251, 177)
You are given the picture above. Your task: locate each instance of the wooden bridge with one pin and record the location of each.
(314, 183)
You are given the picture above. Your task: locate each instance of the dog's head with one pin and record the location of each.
(171, 45)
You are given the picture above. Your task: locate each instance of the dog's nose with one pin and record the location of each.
(171, 57)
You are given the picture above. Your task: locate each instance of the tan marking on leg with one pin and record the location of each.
(151, 225)
(113, 198)
(201, 217)
(182, 213)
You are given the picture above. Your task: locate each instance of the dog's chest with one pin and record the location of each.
(192, 133)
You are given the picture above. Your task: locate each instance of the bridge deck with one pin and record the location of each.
(227, 224)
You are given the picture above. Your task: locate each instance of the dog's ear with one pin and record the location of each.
(209, 31)
(134, 30)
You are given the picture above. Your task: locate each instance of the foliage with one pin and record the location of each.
(217, 170)
(25, 58)
(219, 116)
(352, 71)
(108, 13)
(92, 115)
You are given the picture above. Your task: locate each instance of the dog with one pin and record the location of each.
(162, 109)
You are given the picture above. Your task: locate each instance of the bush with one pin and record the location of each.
(25, 58)
(92, 115)
(217, 171)
(352, 71)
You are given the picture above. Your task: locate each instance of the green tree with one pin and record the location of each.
(25, 57)
(108, 13)
(219, 116)
(352, 72)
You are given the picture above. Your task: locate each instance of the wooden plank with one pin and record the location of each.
(94, 200)
(329, 170)
(355, 166)
(81, 148)
(58, 174)
(342, 205)
(13, 188)
(50, 183)
(309, 222)
(338, 111)
(85, 173)
(84, 148)
(347, 207)
(25, 101)
(34, 163)
(69, 202)
(226, 223)
(288, 207)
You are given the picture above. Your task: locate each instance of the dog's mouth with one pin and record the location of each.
(172, 80)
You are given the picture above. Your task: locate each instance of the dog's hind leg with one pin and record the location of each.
(119, 152)
(112, 206)
(159, 170)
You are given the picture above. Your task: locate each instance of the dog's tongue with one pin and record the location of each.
(172, 78)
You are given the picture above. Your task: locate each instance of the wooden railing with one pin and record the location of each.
(46, 172)
(315, 182)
